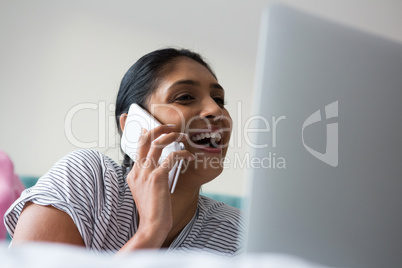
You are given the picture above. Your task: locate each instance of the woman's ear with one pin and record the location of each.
(122, 121)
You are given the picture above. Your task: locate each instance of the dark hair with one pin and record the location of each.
(142, 79)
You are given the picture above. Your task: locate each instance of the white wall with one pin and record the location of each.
(55, 55)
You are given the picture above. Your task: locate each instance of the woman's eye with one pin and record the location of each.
(220, 101)
(185, 98)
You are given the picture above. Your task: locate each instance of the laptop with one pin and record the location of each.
(325, 143)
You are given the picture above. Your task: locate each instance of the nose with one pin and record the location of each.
(210, 109)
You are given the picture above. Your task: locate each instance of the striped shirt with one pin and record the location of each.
(92, 189)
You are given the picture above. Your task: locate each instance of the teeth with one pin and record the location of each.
(214, 136)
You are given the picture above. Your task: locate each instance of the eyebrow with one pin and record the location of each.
(195, 83)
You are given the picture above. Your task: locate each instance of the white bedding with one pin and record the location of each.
(39, 255)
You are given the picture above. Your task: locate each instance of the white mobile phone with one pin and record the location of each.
(137, 119)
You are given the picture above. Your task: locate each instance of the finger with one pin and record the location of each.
(147, 138)
(159, 144)
(169, 162)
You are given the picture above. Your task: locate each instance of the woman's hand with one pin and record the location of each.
(148, 182)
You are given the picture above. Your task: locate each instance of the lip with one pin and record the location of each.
(207, 149)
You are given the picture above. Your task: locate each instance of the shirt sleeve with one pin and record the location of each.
(69, 186)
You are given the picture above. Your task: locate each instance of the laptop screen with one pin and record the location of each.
(327, 110)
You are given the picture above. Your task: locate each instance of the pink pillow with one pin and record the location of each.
(10, 188)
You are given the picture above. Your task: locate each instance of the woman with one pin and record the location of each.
(87, 199)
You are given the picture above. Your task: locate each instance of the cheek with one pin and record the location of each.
(171, 115)
(227, 122)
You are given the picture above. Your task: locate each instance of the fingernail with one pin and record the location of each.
(191, 157)
(170, 125)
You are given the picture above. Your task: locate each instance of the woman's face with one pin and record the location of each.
(192, 99)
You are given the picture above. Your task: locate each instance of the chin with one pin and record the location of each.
(204, 171)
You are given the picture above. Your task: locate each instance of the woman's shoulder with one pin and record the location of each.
(89, 159)
(85, 166)
(83, 177)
